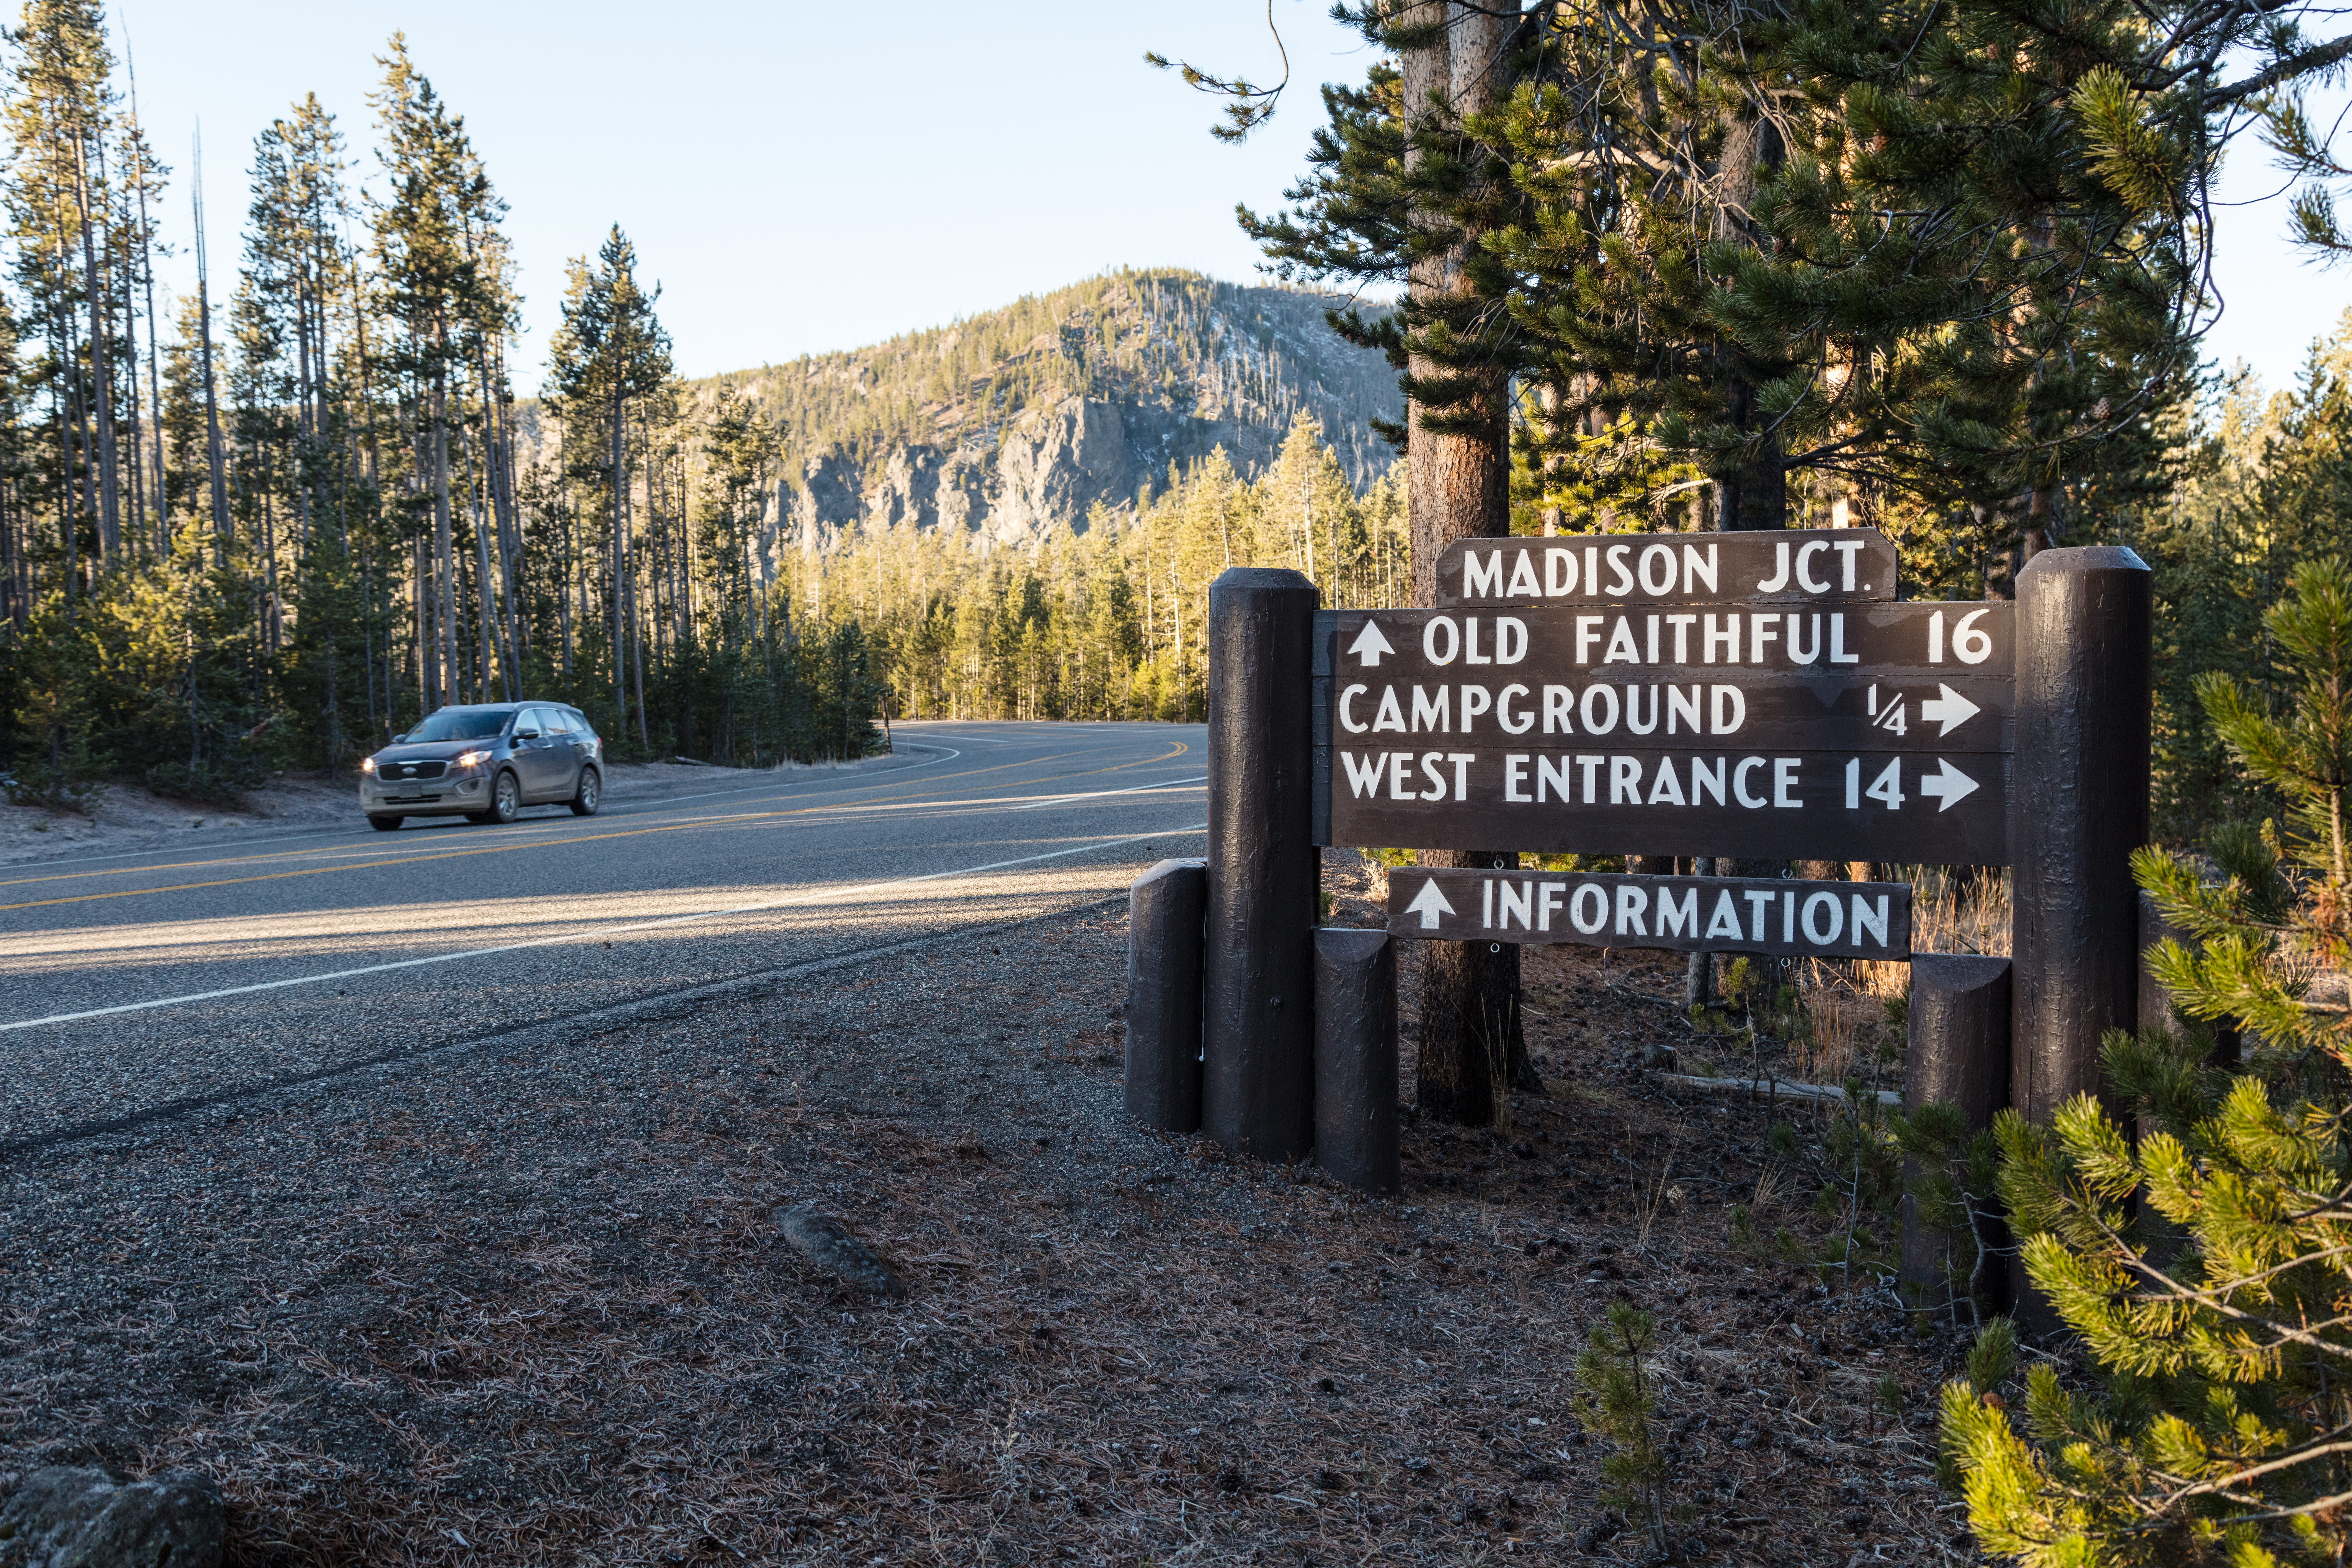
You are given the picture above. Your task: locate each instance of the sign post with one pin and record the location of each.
(1165, 916)
(1258, 1032)
(1356, 1058)
(2082, 693)
(1735, 696)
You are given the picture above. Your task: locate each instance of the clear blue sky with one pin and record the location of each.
(804, 176)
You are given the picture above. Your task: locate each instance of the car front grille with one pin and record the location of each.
(403, 772)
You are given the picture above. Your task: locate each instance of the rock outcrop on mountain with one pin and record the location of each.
(1060, 409)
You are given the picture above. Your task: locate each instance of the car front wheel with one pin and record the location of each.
(506, 801)
(591, 794)
(384, 823)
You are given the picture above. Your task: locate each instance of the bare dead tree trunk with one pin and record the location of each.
(485, 600)
(154, 364)
(443, 557)
(636, 622)
(620, 561)
(109, 517)
(212, 455)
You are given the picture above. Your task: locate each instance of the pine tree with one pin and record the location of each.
(2216, 1433)
(610, 354)
(440, 288)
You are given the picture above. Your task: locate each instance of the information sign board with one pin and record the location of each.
(1681, 914)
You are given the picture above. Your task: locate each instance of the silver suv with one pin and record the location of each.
(486, 763)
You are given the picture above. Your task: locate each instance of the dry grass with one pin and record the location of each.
(1960, 910)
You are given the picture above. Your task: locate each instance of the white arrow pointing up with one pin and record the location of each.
(1371, 645)
(1430, 903)
(1951, 708)
(1951, 784)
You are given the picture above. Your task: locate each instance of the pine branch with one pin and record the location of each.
(2318, 57)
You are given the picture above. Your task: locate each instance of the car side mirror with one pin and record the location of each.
(526, 734)
(396, 739)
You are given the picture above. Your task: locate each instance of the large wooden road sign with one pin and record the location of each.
(1862, 729)
(1754, 701)
(1684, 914)
(1711, 569)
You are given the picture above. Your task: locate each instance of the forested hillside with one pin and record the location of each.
(1013, 423)
(273, 522)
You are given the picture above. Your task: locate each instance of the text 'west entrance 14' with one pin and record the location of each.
(1883, 728)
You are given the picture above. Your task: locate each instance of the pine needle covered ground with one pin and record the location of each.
(536, 1308)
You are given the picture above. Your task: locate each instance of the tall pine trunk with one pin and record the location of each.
(214, 458)
(154, 367)
(620, 560)
(1473, 1044)
(109, 517)
(485, 600)
(1753, 493)
(445, 564)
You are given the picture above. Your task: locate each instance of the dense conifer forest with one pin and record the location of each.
(273, 522)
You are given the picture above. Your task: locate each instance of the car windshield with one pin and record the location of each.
(462, 724)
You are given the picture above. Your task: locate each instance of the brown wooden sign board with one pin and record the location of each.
(1680, 914)
(1878, 732)
(1822, 564)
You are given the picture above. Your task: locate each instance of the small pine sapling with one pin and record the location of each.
(1950, 1178)
(1619, 1403)
(2217, 1428)
(1862, 1186)
(1885, 1402)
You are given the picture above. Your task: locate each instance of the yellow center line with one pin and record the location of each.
(411, 859)
(301, 854)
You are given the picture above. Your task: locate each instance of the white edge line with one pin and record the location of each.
(625, 807)
(1099, 793)
(595, 933)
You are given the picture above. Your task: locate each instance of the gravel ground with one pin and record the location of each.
(528, 1302)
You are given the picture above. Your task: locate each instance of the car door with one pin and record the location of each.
(539, 760)
(563, 731)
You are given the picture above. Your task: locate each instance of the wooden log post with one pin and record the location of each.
(1166, 912)
(1356, 1058)
(1258, 971)
(2081, 781)
(1959, 1053)
(2081, 770)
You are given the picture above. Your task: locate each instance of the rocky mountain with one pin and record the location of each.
(1060, 408)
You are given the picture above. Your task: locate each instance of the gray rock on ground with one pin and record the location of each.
(827, 1242)
(66, 1517)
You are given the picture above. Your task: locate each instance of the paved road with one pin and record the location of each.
(137, 987)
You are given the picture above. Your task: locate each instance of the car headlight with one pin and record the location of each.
(473, 759)
(367, 764)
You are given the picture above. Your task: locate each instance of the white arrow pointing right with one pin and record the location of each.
(1430, 903)
(1370, 644)
(1951, 708)
(1950, 783)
